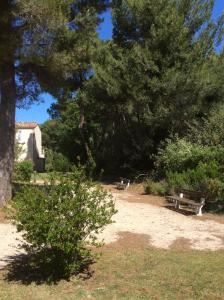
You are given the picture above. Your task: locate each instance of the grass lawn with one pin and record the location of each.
(132, 274)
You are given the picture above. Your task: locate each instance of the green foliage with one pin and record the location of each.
(193, 165)
(210, 130)
(144, 86)
(56, 162)
(213, 189)
(23, 171)
(176, 180)
(155, 188)
(46, 45)
(206, 177)
(180, 154)
(63, 221)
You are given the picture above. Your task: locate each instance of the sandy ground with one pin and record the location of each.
(9, 243)
(161, 227)
(164, 227)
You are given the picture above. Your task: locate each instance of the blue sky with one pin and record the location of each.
(38, 112)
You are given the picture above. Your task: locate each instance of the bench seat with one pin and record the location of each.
(183, 200)
(196, 205)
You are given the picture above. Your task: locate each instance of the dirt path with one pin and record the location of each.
(9, 243)
(161, 227)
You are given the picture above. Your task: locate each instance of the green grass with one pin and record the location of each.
(41, 176)
(134, 274)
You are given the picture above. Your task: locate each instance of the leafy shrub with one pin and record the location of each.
(155, 188)
(177, 180)
(61, 163)
(213, 189)
(61, 222)
(210, 130)
(23, 171)
(206, 177)
(179, 155)
(202, 173)
(56, 162)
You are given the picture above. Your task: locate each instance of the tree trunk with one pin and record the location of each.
(91, 165)
(7, 127)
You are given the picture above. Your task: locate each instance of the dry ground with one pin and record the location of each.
(161, 225)
(132, 266)
(147, 217)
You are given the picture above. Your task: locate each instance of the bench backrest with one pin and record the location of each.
(190, 194)
(125, 180)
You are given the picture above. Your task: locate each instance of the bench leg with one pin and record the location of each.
(127, 185)
(177, 204)
(199, 211)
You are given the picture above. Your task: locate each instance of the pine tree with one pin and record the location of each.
(150, 80)
(44, 45)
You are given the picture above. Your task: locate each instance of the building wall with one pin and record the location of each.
(38, 140)
(30, 141)
(25, 138)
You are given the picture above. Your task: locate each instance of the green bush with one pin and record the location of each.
(59, 224)
(213, 189)
(179, 155)
(202, 173)
(209, 131)
(155, 188)
(177, 180)
(56, 162)
(206, 177)
(23, 171)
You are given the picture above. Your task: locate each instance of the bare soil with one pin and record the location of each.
(166, 228)
(142, 221)
(136, 194)
(128, 240)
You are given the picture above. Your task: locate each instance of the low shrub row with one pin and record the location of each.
(207, 178)
(155, 188)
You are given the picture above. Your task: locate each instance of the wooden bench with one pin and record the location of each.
(123, 184)
(194, 200)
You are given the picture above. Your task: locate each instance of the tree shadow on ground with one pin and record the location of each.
(181, 211)
(30, 268)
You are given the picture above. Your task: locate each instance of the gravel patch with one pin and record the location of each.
(163, 227)
(10, 240)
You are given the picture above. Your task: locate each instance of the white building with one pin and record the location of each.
(28, 135)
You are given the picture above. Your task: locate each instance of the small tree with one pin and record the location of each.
(60, 221)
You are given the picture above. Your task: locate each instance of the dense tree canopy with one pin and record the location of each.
(117, 100)
(159, 74)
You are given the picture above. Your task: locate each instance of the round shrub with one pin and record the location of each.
(61, 222)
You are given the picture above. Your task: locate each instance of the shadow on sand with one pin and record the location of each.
(184, 211)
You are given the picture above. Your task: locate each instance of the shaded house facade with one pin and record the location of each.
(28, 136)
